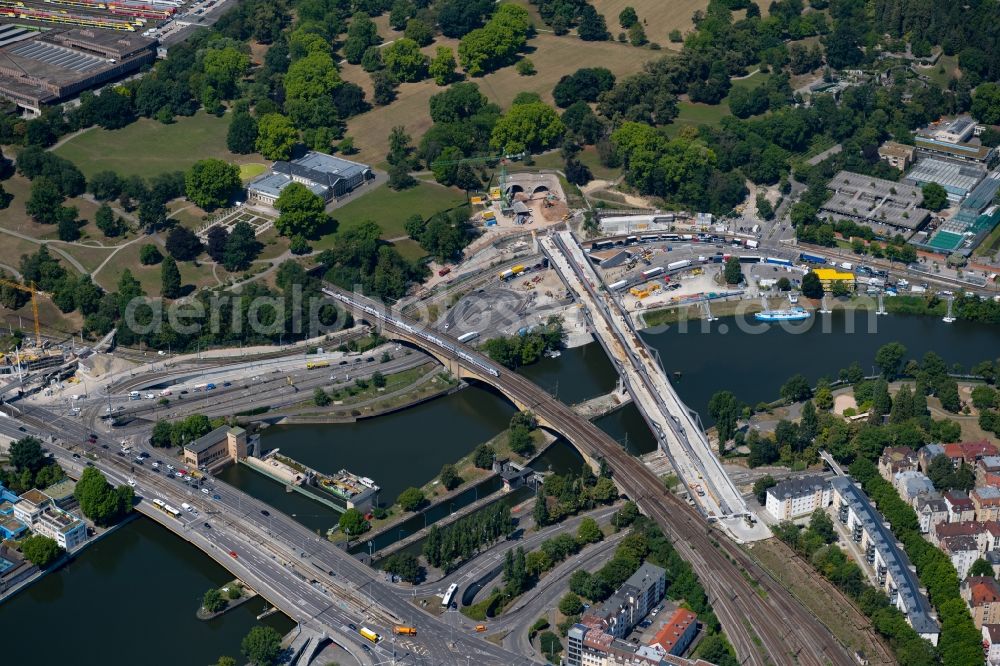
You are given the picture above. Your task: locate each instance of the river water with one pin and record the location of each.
(142, 578)
(128, 599)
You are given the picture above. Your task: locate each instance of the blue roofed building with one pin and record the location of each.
(324, 175)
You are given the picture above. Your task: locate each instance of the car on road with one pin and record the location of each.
(183, 392)
(90, 464)
(265, 512)
(370, 359)
(92, 438)
(233, 555)
(209, 387)
(351, 627)
(104, 446)
(216, 497)
(342, 363)
(76, 455)
(121, 454)
(205, 490)
(207, 526)
(365, 648)
(150, 396)
(227, 383)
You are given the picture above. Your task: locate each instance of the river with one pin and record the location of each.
(128, 599)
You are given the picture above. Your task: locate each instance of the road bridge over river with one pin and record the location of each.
(764, 622)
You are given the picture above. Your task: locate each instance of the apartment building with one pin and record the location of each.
(793, 498)
(982, 595)
(896, 459)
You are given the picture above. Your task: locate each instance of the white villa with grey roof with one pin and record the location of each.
(326, 176)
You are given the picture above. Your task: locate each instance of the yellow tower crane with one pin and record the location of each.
(34, 304)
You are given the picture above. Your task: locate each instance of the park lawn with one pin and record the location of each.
(273, 245)
(410, 249)
(389, 209)
(752, 82)
(188, 214)
(657, 16)
(88, 256)
(553, 57)
(13, 248)
(949, 63)
(692, 114)
(148, 147)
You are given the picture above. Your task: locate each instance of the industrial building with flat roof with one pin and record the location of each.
(885, 206)
(956, 178)
(220, 447)
(953, 139)
(41, 69)
(326, 176)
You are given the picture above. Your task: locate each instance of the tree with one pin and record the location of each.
(627, 18)
(170, 279)
(725, 409)
(276, 137)
(302, 212)
(981, 568)
(400, 178)
(361, 34)
(986, 103)
(216, 242)
(241, 138)
(532, 127)
(570, 604)
(821, 525)
(45, 202)
(225, 661)
(26, 454)
(101, 502)
(383, 88)
(105, 185)
(589, 532)
(353, 523)
(149, 255)
(442, 67)
(591, 26)
(584, 85)
(40, 550)
(796, 389)
(733, 272)
(183, 244)
(320, 397)
(889, 358)
(419, 31)
(760, 487)
(449, 477)
(411, 499)
(811, 286)
(213, 601)
(105, 220)
(262, 646)
(637, 35)
(211, 182)
(404, 60)
(161, 435)
(483, 456)
(935, 196)
(540, 512)
(404, 565)
(496, 43)
(241, 247)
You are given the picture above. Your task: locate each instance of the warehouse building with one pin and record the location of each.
(957, 178)
(828, 276)
(326, 176)
(43, 68)
(887, 207)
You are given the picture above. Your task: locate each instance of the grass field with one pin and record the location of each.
(691, 114)
(553, 57)
(947, 63)
(658, 17)
(251, 170)
(389, 209)
(147, 147)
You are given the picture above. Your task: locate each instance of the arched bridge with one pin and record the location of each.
(720, 564)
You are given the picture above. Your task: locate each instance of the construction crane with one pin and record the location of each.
(502, 159)
(34, 304)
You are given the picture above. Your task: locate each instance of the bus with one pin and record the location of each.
(369, 634)
(166, 508)
(449, 596)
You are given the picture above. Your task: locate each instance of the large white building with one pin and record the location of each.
(39, 513)
(793, 498)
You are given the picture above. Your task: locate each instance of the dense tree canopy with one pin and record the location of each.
(301, 212)
(211, 182)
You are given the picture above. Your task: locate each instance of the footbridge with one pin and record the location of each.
(723, 567)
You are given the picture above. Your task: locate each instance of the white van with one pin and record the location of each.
(186, 506)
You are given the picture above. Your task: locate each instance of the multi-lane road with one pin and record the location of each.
(305, 576)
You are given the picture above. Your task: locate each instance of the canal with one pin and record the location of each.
(128, 599)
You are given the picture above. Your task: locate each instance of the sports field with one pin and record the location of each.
(148, 147)
(553, 57)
